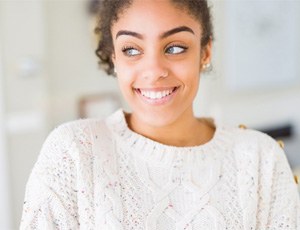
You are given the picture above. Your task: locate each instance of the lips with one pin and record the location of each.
(157, 96)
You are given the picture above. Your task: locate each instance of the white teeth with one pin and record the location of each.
(159, 95)
(152, 95)
(147, 94)
(156, 94)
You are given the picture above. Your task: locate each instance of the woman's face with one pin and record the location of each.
(158, 60)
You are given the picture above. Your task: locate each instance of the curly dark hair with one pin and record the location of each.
(110, 10)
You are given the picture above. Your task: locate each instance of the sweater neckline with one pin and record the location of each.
(147, 148)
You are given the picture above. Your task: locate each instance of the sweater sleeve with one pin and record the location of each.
(285, 205)
(50, 197)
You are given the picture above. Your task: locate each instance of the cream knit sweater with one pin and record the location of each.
(94, 174)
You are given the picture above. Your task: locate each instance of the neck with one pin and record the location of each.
(185, 131)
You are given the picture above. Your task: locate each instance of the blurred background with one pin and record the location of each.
(49, 75)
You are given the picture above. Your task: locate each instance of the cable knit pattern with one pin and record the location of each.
(94, 174)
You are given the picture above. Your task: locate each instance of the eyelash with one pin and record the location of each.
(179, 46)
(127, 48)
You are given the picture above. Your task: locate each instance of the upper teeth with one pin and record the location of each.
(156, 94)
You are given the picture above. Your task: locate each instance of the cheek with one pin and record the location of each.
(125, 69)
(127, 76)
(188, 72)
(190, 65)
(189, 75)
(125, 85)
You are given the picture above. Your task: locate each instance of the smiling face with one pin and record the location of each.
(158, 60)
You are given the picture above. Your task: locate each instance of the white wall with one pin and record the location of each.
(72, 65)
(5, 210)
(24, 80)
(257, 108)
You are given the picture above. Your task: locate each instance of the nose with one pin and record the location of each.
(154, 67)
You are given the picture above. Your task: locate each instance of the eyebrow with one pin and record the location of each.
(129, 33)
(176, 30)
(162, 36)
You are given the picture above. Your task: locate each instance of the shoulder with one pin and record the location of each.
(74, 136)
(79, 127)
(257, 154)
(254, 144)
(249, 137)
(79, 140)
(69, 145)
(87, 129)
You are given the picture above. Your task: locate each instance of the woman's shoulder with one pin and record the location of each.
(87, 127)
(74, 135)
(239, 133)
(254, 144)
(76, 129)
(245, 135)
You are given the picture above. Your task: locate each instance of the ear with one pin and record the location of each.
(206, 54)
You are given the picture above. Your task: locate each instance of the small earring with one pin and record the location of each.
(206, 66)
(115, 71)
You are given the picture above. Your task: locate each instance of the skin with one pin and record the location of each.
(157, 48)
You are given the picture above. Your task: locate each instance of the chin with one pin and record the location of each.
(158, 121)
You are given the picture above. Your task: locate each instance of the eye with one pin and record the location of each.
(130, 51)
(176, 49)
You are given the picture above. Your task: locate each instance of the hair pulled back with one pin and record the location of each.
(110, 11)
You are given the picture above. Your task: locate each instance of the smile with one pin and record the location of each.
(157, 96)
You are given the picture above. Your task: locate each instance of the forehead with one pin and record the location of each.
(146, 16)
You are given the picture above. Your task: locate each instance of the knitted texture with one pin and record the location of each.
(94, 174)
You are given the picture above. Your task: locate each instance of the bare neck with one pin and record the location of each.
(187, 131)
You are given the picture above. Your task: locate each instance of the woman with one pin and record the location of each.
(159, 167)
